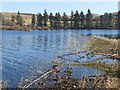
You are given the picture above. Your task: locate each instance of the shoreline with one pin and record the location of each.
(63, 29)
(55, 29)
(106, 46)
(26, 28)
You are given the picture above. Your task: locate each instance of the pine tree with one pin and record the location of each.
(110, 20)
(58, 20)
(33, 21)
(65, 21)
(89, 20)
(19, 19)
(72, 19)
(39, 20)
(13, 18)
(106, 20)
(76, 20)
(101, 21)
(82, 19)
(45, 18)
(51, 17)
(55, 20)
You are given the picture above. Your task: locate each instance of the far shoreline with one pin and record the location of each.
(62, 29)
(29, 28)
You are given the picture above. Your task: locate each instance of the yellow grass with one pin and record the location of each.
(26, 17)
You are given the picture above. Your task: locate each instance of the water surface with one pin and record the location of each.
(25, 54)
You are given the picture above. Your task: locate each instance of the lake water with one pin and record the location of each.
(25, 54)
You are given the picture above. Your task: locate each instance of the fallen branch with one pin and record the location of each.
(114, 56)
(37, 79)
(53, 70)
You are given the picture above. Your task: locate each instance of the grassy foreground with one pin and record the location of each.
(105, 46)
(110, 48)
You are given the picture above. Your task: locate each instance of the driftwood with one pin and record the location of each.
(114, 56)
(54, 69)
(37, 79)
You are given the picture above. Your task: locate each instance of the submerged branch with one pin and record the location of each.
(37, 79)
(54, 69)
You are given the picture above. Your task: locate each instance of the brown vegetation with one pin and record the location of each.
(105, 46)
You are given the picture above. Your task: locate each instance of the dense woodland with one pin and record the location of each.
(77, 20)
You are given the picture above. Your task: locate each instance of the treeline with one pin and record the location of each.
(74, 21)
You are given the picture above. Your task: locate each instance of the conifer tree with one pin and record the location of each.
(45, 18)
(89, 20)
(33, 21)
(65, 21)
(19, 19)
(82, 19)
(39, 20)
(72, 19)
(76, 20)
(51, 17)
